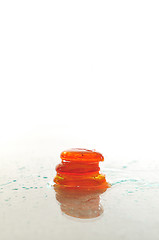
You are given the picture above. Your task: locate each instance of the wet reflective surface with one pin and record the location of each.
(32, 209)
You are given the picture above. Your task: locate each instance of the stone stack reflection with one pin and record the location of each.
(79, 184)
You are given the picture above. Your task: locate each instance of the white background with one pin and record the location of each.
(85, 71)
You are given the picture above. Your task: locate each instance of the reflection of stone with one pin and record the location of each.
(79, 203)
(79, 184)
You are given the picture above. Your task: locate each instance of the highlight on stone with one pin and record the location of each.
(79, 168)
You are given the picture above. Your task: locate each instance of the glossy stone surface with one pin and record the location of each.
(80, 169)
(81, 154)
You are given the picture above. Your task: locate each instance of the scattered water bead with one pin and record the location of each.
(80, 169)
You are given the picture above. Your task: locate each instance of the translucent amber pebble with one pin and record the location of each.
(80, 169)
(80, 154)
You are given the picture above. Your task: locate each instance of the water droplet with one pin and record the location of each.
(124, 166)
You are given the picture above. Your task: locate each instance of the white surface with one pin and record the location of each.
(29, 209)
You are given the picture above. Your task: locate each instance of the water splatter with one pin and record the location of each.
(45, 177)
(26, 188)
(21, 168)
(14, 180)
(124, 166)
(5, 184)
(124, 180)
(15, 189)
(7, 199)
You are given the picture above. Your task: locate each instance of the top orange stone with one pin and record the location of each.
(81, 155)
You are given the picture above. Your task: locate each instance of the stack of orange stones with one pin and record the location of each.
(80, 169)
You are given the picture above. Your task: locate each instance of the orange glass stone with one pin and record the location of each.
(80, 154)
(80, 169)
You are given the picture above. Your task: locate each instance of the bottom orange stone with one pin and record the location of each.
(80, 169)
